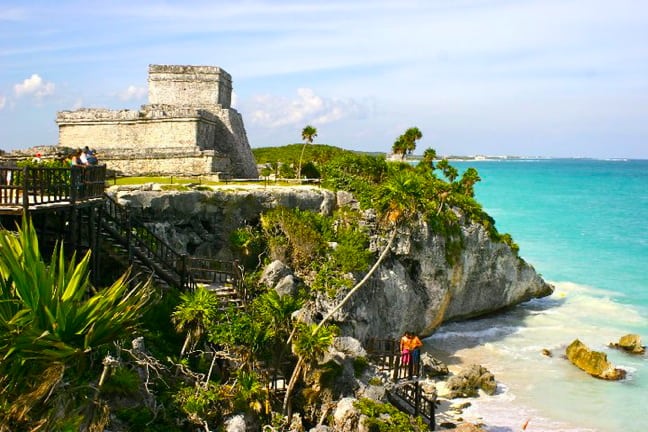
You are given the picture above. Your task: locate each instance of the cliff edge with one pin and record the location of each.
(416, 288)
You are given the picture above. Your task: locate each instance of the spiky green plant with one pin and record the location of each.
(197, 309)
(52, 325)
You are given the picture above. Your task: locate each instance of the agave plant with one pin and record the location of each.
(52, 324)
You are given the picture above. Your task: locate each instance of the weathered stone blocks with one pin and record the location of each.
(188, 128)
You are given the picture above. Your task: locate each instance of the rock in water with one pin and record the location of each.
(630, 343)
(593, 362)
(469, 380)
(432, 367)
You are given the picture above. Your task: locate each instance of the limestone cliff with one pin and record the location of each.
(415, 288)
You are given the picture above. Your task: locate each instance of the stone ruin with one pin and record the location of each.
(187, 128)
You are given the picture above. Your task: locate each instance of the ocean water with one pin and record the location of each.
(583, 225)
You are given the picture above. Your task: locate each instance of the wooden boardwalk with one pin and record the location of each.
(28, 189)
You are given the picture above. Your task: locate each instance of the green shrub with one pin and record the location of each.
(375, 381)
(387, 418)
(360, 365)
(137, 417)
(122, 382)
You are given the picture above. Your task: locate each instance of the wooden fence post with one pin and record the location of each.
(25, 188)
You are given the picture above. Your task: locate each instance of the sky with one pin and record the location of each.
(564, 78)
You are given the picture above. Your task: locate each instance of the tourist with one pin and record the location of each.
(74, 159)
(83, 156)
(415, 349)
(91, 156)
(410, 346)
(405, 348)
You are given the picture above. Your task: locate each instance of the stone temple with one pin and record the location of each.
(187, 128)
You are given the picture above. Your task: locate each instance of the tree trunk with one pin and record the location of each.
(300, 162)
(301, 361)
(361, 283)
(185, 345)
(291, 384)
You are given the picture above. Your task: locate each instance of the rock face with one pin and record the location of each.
(421, 290)
(593, 362)
(415, 288)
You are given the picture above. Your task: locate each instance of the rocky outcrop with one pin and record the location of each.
(421, 290)
(415, 289)
(469, 381)
(431, 367)
(594, 363)
(630, 343)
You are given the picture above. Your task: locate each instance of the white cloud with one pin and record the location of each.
(35, 86)
(307, 107)
(133, 93)
(3, 101)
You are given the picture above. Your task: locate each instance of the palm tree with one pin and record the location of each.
(412, 135)
(400, 147)
(52, 322)
(308, 135)
(398, 200)
(468, 180)
(310, 343)
(406, 143)
(195, 311)
(429, 156)
(448, 170)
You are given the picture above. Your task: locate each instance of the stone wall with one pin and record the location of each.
(103, 129)
(189, 85)
(169, 163)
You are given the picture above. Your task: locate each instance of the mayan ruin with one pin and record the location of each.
(188, 127)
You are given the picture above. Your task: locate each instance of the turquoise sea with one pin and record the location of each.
(583, 225)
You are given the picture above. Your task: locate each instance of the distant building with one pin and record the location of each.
(187, 128)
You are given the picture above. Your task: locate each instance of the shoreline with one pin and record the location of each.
(549, 391)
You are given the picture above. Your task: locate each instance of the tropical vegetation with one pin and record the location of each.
(54, 326)
(64, 361)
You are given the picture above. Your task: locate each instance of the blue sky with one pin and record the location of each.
(519, 77)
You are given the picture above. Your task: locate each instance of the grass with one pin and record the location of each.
(160, 180)
(189, 181)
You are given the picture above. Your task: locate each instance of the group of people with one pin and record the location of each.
(83, 157)
(410, 347)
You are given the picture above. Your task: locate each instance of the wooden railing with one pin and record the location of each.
(176, 269)
(420, 405)
(32, 186)
(142, 243)
(210, 271)
(386, 354)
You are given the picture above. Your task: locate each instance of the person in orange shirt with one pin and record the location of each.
(415, 349)
(410, 346)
